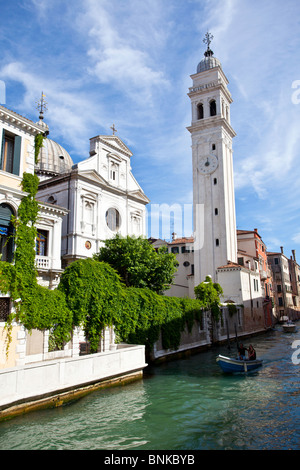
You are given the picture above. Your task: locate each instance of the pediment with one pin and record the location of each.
(114, 143)
(138, 194)
(92, 175)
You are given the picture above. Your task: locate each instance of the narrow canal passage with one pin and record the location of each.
(186, 404)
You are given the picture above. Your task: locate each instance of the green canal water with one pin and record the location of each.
(187, 404)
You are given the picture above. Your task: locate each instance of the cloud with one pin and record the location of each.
(121, 45)
(71, 110)
(296, 238)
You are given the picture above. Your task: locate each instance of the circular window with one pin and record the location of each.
(88, 245)
(186, 264)
(113, 219)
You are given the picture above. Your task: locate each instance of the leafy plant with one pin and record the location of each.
(92, 291)
(38, 144)
(138, 264)
(209, 293)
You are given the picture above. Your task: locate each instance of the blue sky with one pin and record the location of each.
(129, 63)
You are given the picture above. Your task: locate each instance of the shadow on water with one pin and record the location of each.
(184, 404)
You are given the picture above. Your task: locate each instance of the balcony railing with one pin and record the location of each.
(43, 262)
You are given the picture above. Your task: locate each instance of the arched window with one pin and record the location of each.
(200, 114)
(213, 107)
(6, 233)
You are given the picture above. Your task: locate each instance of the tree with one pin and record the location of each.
(138, 264)
(209, 293)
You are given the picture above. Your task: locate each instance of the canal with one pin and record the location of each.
(186, 404)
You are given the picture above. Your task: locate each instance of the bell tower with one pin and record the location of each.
(213, 185)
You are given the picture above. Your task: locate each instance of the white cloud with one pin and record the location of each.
(71, 111)
(121, 46)
(296, 238)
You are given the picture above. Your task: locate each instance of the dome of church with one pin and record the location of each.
(208, 62)
(53, 159)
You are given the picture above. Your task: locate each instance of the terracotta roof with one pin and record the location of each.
(230, 264)
(182, 240)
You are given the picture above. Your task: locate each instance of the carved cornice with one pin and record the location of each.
(24, 124)
(211, 122)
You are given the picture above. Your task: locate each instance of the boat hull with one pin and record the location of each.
(230, 365)
(289, 328)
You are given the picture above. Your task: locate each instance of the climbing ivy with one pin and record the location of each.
(36, 307)
(93, 293)
(38, 144)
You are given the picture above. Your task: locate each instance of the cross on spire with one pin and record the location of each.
(113, 129)
(41, 106)
(207, 40)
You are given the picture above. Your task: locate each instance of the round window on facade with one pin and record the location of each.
(186, 264)
(113, 219)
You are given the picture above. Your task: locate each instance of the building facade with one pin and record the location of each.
(100, 193)
(252, 252)
(286, 282)
(17, 143)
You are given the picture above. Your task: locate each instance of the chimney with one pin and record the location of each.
(174, 236)
(294, 255)
(281, 249)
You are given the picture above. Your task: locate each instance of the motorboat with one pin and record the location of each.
(289, 327)
(230, 365)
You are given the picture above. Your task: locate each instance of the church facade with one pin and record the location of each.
(100, 193)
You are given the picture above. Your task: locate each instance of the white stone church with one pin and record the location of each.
(100, 193)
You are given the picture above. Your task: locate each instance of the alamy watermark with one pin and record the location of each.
(166, 220)
(296, 94)
(2, 92)
(296, 354)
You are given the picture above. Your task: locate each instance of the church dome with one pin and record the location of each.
(209, 62)
(53, 159)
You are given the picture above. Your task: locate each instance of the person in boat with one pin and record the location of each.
(242, 352)
(251, 353)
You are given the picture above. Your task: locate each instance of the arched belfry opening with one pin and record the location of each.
(200, 112)
(212, 107)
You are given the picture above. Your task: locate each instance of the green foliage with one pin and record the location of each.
(92, 291)
(138, 264)
(38, 141)
(97, 298)
(44, 309)
(36, 307)
(143, 314)
(209, 294)
(25, 233)
(232, 309)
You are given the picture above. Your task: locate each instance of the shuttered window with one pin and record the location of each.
(10, 153)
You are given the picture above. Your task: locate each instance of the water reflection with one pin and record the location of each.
(185, 404)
